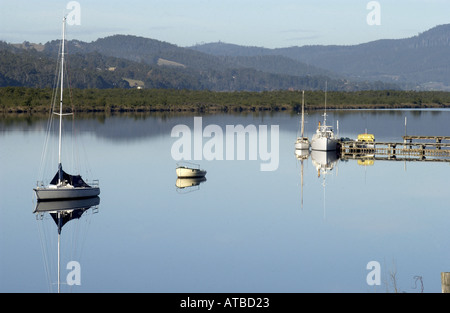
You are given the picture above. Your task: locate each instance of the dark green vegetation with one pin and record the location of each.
(21, 99)
(128, 61)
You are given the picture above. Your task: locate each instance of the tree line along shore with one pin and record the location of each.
(35, 100)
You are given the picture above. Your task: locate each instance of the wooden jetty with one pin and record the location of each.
(437, 139)
(432, 150)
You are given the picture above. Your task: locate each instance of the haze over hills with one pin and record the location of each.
(124, 61)
(419, 62)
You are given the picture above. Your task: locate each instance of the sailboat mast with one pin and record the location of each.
(303, 111)
(325, 114)
(61, 101)
(62, 88)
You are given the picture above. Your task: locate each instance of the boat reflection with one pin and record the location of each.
(66, 205)
(185, 185)
(302, 154)
(61, 212)
(369, 161)
(324, 161)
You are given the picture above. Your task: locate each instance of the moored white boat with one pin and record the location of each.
(64, 185)
(324, 139)
(190, 172)
(302, 143)
(65, 191)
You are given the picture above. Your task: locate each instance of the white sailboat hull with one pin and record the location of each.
(186, 172)
(324, 144)
(302, 144)
(45, 193)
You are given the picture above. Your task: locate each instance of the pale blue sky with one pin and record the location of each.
(266, 23)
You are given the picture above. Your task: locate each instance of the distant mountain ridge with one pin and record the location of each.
(151, 51)
(126, 61)
(419, 62)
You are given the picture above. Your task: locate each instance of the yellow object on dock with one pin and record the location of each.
(366, 137)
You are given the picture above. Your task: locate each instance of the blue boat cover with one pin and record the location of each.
(74, 180)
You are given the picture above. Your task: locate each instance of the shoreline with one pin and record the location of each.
(176, 113)
(29, 101)
(225, 109)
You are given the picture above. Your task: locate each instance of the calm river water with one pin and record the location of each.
(293, 229)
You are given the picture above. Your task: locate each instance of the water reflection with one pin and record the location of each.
(324, 161)
(185, 185)
(301, 155)
(366, 155)
(61, 212)
(257, 235)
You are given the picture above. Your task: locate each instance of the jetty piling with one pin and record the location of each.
(445, 282)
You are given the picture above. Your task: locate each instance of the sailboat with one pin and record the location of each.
(324, 139)
(302, 142)
(64, 185)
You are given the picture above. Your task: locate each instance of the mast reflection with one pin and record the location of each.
(61, 212)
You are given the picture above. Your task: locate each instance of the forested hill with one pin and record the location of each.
(124, 61)
(419, 62)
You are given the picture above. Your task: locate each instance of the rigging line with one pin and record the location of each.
(49, 124)
(85, 230)
(57, 76)
(299, 130)
(74, 239)
(76, 154)
(52, 244)
(44, 252)
(44, 150)
(75, 234)
(87, 166)
(69, 79)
